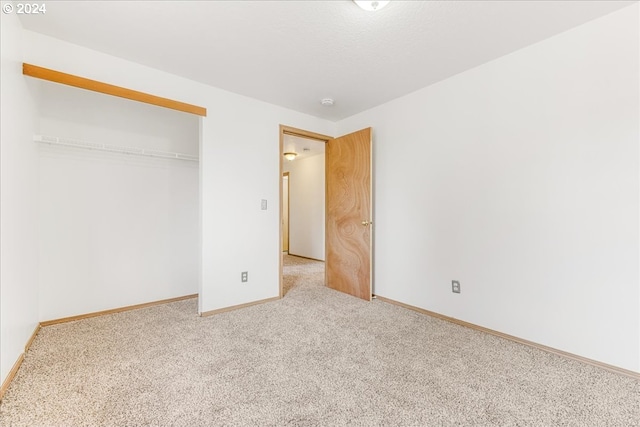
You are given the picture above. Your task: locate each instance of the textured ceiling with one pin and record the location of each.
(294, 53)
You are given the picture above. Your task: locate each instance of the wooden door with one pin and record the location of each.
(285, 212)
(349, 219)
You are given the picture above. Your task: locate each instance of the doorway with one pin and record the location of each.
(295, 225)
(304, 208)
(347, 225)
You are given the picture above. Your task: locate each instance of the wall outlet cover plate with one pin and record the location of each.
(455, 286)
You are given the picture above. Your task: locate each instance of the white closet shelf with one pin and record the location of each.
(54, 140)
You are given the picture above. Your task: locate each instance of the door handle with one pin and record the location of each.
(365, 222)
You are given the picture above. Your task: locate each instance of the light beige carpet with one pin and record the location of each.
(314, 358)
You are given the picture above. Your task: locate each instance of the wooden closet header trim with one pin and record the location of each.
(96, 86)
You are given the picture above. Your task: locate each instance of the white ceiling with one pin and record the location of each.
(294, 53)
(303, 146)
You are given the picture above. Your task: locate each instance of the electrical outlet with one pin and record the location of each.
(455, 286)
(244, 276)
(263, 204)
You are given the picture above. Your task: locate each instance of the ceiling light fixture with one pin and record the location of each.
(371, 5)
(290, 155)
(327, 102)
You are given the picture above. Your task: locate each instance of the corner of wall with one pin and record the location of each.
(18, 202)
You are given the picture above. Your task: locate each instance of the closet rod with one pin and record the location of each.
(54, 140)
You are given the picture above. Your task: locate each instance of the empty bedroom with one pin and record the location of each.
(320, 213)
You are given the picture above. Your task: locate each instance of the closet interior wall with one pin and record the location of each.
(114, 229)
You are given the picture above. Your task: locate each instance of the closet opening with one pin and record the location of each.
(118, 201)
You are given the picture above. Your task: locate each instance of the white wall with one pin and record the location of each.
(237, 235)
(240, 139)
(307, 206)
(115, 229)
(18, 201)
(520, 178)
